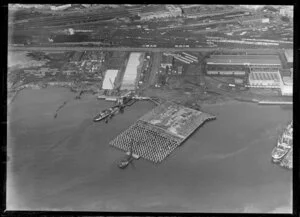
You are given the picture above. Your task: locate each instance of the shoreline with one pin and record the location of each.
(180, 97)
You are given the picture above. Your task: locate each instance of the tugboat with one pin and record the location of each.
(284, 144)
(125, 162)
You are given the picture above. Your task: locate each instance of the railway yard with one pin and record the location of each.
(125, 26)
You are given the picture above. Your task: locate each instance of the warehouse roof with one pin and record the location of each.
(244, 59)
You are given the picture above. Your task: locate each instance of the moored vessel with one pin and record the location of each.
(284, 144)
(105, 113)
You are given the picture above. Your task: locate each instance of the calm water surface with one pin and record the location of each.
(67, 164)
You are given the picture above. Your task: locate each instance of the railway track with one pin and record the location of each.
(71, 19)
(61, 47)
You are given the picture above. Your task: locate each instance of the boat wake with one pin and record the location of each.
(221, 156)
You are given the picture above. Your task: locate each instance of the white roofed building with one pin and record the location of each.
(289, 55)
(109, 79)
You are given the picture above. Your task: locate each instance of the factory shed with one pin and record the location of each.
(271, 60)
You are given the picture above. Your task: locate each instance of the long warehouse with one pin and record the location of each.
(238, 64)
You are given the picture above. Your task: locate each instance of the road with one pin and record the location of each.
(143, 49)
(154, 68)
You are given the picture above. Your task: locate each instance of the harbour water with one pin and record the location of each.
(67, 164)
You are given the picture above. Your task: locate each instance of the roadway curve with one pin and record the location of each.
(143, 49)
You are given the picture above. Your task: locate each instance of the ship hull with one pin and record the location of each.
(283, 145)
(100, 118)
(277, 157)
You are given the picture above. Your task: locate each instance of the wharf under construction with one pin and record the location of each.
(160, 131)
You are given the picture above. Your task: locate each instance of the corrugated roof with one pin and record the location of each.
(244, 59)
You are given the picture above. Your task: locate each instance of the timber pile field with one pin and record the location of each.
(155, 135)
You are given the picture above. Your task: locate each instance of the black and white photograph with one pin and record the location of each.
(159, 108)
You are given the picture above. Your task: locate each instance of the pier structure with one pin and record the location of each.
(158, 133)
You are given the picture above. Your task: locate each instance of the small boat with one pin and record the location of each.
(123, 163)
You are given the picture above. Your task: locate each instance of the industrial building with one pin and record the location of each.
(174, 10)
(239, 64)
(179, 70)
(287, 90)
(60, 7)
(289, 56)
(131, 71)
(287, 11)
(287, 87)
(167, 60)
(252, 19)
(202, 11)
(270, 9)
(261, 79)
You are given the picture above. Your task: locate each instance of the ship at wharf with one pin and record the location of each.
(158, 133)
(283, 151)
(121, 102)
